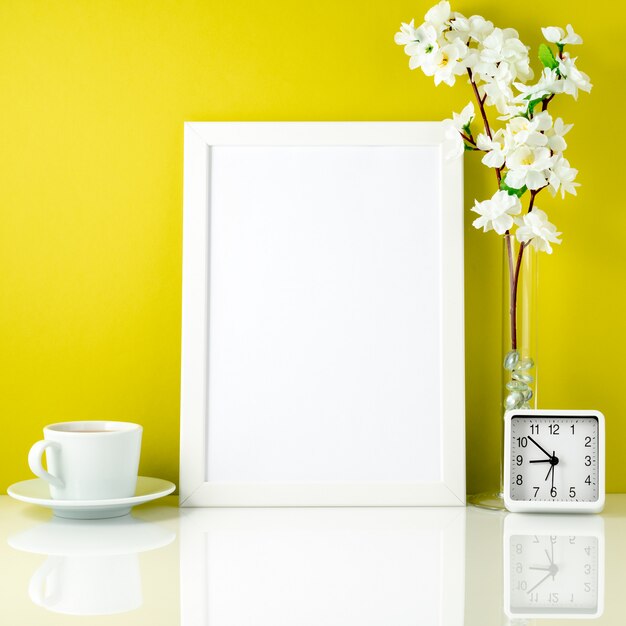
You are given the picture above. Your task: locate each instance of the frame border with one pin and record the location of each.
(195, 490)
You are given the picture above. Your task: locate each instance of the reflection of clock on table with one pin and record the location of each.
(553, 566)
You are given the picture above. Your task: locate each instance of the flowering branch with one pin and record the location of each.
(527, 151)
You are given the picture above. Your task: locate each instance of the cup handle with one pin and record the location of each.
(42, 588)
(34, 462)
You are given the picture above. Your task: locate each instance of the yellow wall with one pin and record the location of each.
(93, 95)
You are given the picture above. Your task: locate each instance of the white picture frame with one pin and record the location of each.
(313, 566)
(322, 354)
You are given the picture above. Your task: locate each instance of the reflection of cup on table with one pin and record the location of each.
(88, 585)
(91, 569)
(89, 460)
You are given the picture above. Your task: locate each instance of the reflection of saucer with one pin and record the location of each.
(124, 535)
(36, 491)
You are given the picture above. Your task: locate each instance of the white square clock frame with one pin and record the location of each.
(556, 438)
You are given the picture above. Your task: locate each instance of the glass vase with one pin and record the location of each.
(518, 366)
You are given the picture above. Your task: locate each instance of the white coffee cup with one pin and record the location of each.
(91, 460)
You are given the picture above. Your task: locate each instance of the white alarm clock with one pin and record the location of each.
(553, 566)
(554, 461)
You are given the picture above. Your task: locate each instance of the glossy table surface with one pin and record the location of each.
(163, 565)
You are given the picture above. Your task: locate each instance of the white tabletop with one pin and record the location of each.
(312, 567)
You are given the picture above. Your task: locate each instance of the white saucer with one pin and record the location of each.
(36, 491)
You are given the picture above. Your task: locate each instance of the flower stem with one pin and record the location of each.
(481, 106)
(546, 102)
(515, 276)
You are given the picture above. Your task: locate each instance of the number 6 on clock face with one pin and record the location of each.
(554, 461)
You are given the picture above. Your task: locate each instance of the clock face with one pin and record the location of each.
(552, 574)
(554, 458)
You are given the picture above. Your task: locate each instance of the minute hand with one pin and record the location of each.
(544, 451)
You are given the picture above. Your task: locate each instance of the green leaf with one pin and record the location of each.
(532, 104)
(546, 56)
(511, 191)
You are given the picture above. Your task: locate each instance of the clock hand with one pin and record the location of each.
(541, 461)
(553, 472)
(542, 569)
(542, 449)
(537, 585)
(549, 558)
(549, 471)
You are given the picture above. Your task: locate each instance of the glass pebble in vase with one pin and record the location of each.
(518, 366)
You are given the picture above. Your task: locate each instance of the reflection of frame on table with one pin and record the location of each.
(322, 343)
(330, 565)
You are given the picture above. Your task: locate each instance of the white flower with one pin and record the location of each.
(536, 228)
(521, 131)
(465, 117)
(574, 79)
(562, 177)
(498, 88)
(555, 135)
(528, 166)
(513, 110)
(438, 15)
(446, 63)
(497, 213)
(503, 46)
(406, 34)
(554, 34)
(417, 42)
(548, 84)
(475, 27)
(454, 128)
(495, 148)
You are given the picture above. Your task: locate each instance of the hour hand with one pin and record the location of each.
(541, 461)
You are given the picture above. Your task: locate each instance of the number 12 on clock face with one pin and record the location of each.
(554, 461)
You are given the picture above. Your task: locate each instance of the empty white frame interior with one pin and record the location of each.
(322, 350)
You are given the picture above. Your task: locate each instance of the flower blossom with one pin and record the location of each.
(496, 148)
(573, 78)
(555, 135)
(459, 123)
(438, 15)
(497, 213)
(554, 34)
(546, 85)
(446, 63)
(474, 28)
(535, 228)
(528, 167)
(562, 177)
(521, 131)
(503, 47)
